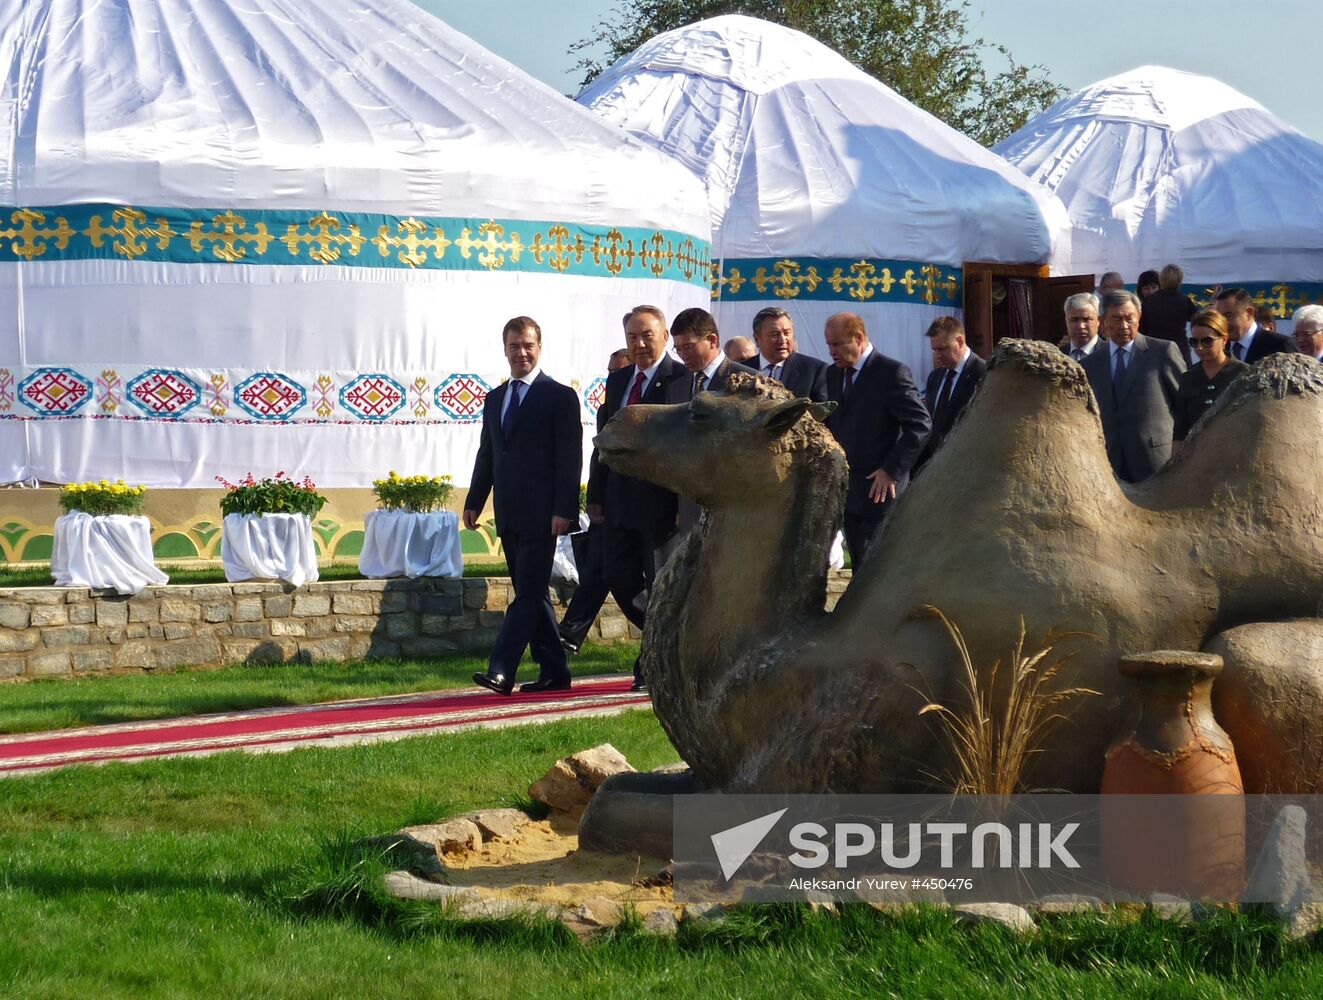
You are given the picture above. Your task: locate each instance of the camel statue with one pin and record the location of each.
(1018, 514)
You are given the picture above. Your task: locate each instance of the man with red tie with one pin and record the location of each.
(639, 517)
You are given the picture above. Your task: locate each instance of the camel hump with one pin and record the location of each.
(1275, 377)
(1038, 357)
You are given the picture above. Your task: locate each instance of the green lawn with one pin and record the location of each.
(61, 704)
(229, 876)
(39, 574)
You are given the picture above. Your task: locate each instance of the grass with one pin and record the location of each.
(62, 704)
(236, 876)
(39, 574)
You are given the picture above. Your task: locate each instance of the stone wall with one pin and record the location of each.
(73, 632)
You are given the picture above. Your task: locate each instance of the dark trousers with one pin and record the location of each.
(859, 531)
(530, 620)
(629, 558)
(591, 593)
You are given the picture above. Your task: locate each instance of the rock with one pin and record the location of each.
(1007, 914)
(571, 781)
(503, 909)
(596, 913)
(1067, 904)
(1281, 875)
(406, 885)
(407, 852)
(663, 923)
(497, 824)
(632, 813)
(705, 912)
(453, 835)
(679, 767)
(1172, 908)
(1303, 916)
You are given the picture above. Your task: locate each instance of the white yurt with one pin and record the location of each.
(828, 190)
(1159, 166)
(277, 235)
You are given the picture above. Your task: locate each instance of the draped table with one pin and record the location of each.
(402, 543)
(269, 547)
(104, 551)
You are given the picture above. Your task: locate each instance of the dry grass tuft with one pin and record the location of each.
(994, 735)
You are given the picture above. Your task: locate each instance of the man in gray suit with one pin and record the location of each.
(1135, 381)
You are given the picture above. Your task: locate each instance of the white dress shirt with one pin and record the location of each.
(1086, 350)
(710, 370)
(1246, 341)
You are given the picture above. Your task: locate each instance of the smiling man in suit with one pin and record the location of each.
(880, 421)
(529, 456)
(640, 517)
(1135, 379)
(1249, 341)
(778, 358)
(956, 373)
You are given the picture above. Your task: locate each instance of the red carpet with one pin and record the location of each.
(340, 723)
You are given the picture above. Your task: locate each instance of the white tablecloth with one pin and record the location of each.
(105, 551)
(269, 547)
(398, 543)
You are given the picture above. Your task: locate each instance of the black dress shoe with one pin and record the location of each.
(542, 687)
(568, 646)
(497, 683)
(638, 685)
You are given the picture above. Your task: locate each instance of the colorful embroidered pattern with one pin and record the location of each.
(269, 396)
(108, 390)
(6, 390)
(419, 395)
(164, 393)
(461, 397)
(594, 396)
(354, 239)
(372, 397)
(55, 390)
(824, 279)
(323, 396)
(218, 394)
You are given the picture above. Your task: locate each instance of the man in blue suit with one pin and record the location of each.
(530, 456)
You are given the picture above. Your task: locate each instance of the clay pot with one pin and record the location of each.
(1190, 842)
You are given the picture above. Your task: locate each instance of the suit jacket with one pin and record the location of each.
(535, 471)
(1137, 422)
(802, 375)
(883, 425)
(1266, 343)
(720, 376)
(975, 369)
(628, 502)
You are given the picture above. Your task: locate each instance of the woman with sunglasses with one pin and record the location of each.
(1205, 381)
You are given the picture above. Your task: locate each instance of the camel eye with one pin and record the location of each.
(698, 416)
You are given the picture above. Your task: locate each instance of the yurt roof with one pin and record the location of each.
(804, 153)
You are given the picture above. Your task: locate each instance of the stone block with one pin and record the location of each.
(177, 630)
(12, 666)
(50, 614)
(217, 613)
(114, 636)
(427, 647)
(82, 614)
(324, 650)
(248, 609)
(249, 630)
(48, 664)
(453, 835)
(490, 619)
(92, 660)
(662, 923)
(249, 588)
(134, 654)
(357, 646)
(136, 632)
(394, 601)
(498, 824)
(613, 626)
(197, 651)
(12, 641)
(401, 626)
(180, 611)
(311, 605)
(571, 781)
(45, 595)
(111, 612)
(382, 649)
(212, 593)
(318, 628)
(433, 624)
(155, 632)
(355, 604)
(14, 615)
(475, 596)
(238, 650)
(1014, 917)
(67, 635)
(441, 604)
(356, 623)
(370, 586)
(280, 626)
(634, 633)
(279, 607)
(144, 610)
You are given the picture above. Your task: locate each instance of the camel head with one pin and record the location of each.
(724, 447)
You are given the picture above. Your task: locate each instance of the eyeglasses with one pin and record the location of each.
(1203, 341)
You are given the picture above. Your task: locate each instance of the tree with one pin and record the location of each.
(920, 48)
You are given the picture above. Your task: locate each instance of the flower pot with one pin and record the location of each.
(105, 552)
(269, 547)
(403, 543)
(1191, 841)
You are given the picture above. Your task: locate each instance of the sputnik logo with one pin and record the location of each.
(734, 845)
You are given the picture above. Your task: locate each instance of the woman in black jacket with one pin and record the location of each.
(1204, 382)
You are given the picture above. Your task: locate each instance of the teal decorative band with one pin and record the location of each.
(353, 239)
(1284, 298)
(836, 279)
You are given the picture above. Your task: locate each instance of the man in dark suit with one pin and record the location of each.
(639, 517)
(591, 593)
(880, 421)
(774, 333)
(956, 373)
(1249, 341)
(1307, 331)
(1082, 324)
(530, 455)
(1135, 380)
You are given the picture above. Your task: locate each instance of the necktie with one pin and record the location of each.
(1238, 349)
(507, 421)
(847, 381)
(1119, 372)
(1078, 353)
(700, 380)
(636, 390)
(944, 396)
(772, 371)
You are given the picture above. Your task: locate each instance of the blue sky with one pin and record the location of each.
(1268, 50)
